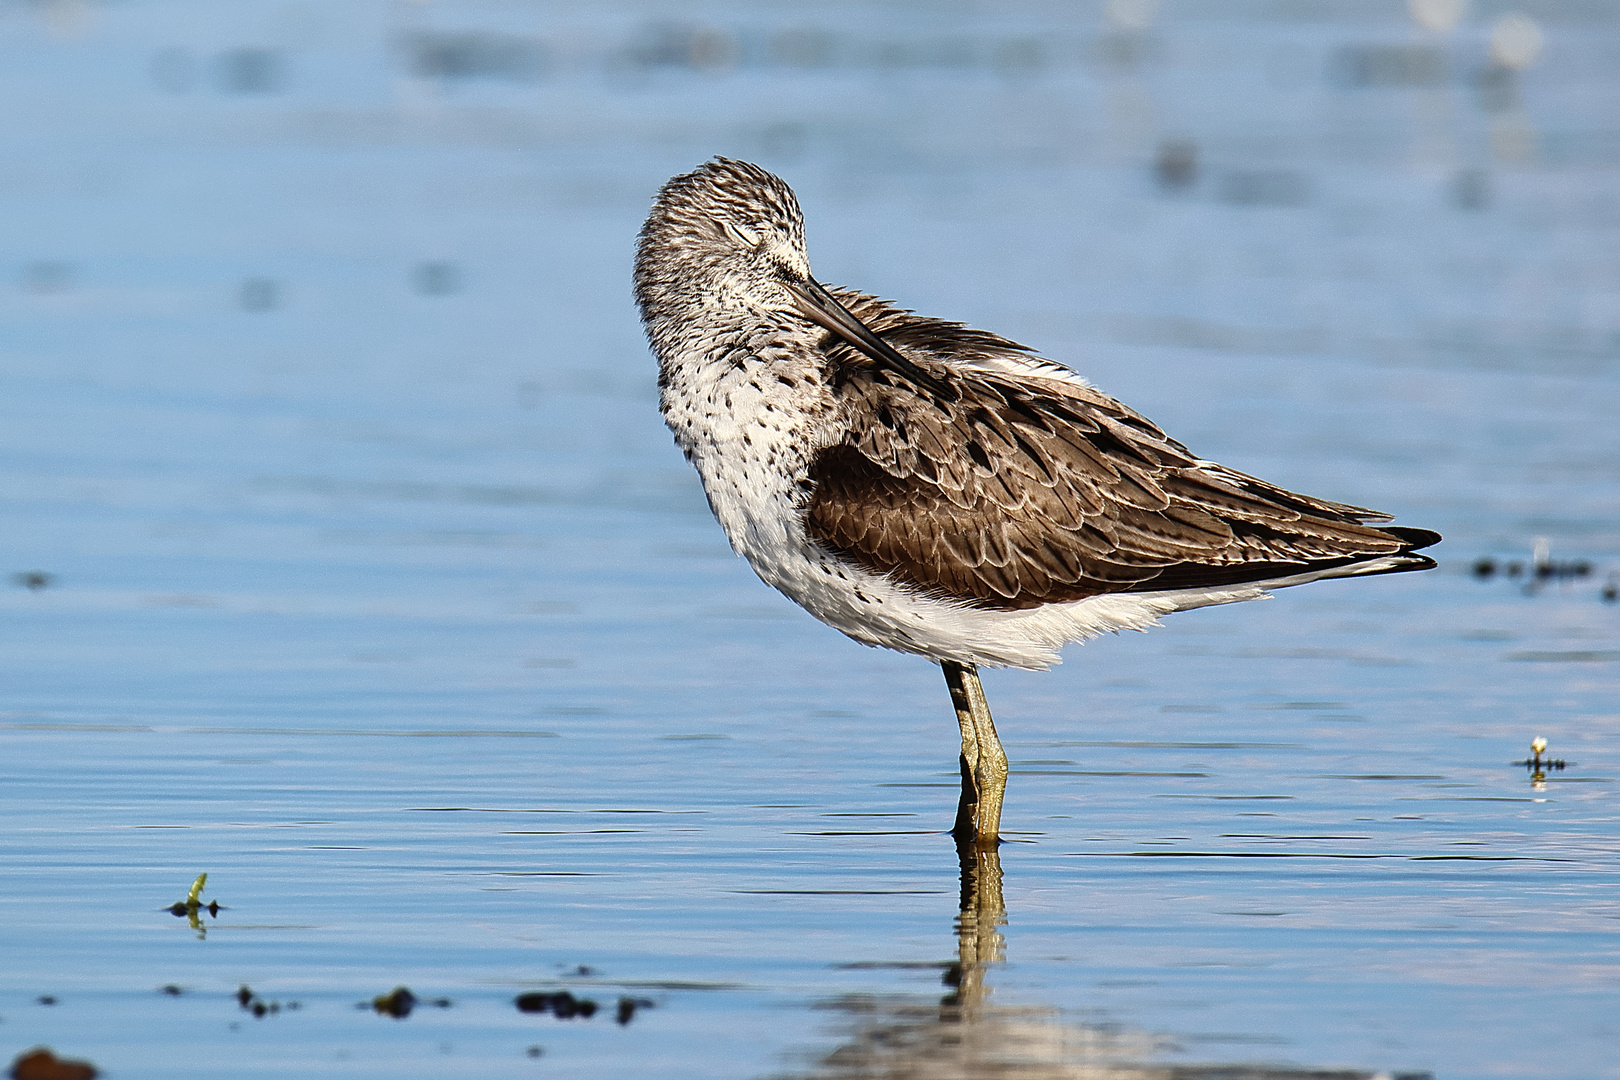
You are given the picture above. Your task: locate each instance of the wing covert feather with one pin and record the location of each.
(1030, 490)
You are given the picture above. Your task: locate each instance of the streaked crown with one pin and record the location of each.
(723, 233)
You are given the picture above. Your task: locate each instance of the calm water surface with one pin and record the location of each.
(378, 592)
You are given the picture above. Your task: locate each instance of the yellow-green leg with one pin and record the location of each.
(984, 762)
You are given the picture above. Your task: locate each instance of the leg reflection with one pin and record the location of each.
(978, 938)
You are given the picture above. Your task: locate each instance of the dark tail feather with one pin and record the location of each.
(1414, 539)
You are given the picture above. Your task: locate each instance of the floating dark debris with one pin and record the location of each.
(46, 999)
(192, 907)
(561, 1004)
(628, 1008)
(41, 1064)
(400, 1002)
(1542, 570)
(535, 1051)
(171, 990)
(1549, 569)
(181, 909)
(33, 580)
(260, 1008)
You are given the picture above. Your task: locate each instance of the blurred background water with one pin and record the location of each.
(350, 563)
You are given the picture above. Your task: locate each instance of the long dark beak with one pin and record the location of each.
(817, 304)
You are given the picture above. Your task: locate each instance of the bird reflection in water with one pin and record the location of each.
(964, 1036)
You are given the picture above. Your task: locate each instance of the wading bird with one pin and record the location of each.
(936, 489)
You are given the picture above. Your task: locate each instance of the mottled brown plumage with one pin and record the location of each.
(1010, 492)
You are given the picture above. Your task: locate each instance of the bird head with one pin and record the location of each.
(726, 241)
(726, 234)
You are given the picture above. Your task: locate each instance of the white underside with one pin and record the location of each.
(879, 611)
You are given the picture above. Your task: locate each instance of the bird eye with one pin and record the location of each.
(740, 233)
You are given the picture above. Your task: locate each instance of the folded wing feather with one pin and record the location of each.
(1026, 490)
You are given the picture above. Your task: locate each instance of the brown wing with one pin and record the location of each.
(1019, 492)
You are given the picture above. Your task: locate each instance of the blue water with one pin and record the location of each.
(378, 592)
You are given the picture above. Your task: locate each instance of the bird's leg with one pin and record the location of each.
(990, 774)
(984, 762)
(965, 829)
